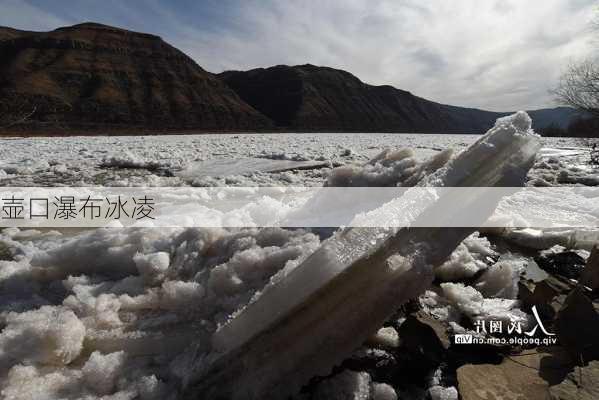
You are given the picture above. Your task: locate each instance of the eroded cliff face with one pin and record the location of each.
(96, 76)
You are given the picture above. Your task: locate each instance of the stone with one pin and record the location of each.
(107, 78)
(568, 264)
(580, 384)
(509, 380)
(590, 275)
(577, 327)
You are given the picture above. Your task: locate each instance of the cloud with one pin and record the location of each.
(22, 15)
(500, 55)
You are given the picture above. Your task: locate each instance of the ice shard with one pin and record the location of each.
(304, 324)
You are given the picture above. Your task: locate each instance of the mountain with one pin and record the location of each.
(91, 76)
(560, 117)
(100, 79)
(307, 97)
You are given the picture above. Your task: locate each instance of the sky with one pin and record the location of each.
(499, 55)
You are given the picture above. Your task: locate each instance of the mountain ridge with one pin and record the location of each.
(96, 78)
(275, 91)
(94, 75)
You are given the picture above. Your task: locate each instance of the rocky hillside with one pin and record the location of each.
(307, 97)
(92, 76)
(99, 79)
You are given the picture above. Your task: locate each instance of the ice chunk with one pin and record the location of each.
(472, 304)
(386, 267)
(153, 266)
(48, 335)
(500, 280)
(443, 393)
(389, 168)
(30, 383)
(382, 391)
(179, 294)
(385, 337)
(101, 372)
(471, 256)
(241, 166)
(348, 385)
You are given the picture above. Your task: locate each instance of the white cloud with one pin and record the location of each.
(494, 54)
(499, 55)
(21, 15)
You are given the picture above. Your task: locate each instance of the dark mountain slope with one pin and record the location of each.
(96, 76)
(307, 97)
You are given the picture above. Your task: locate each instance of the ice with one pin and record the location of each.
(382, 391)
(470, 257)
(30, 383)
(152, 266)
(348, 385)
(101, 371)
(389, 168)
(385, 337)
(135, 298)
(129, 160)
(244, 166)
(467, 299)
(442, 393)
(48, 335)
(77, 160)
(385, 266)
(157, 295)
(473, 305)
(540, 239)
(499, 280)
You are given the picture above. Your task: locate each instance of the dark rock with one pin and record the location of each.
(577, 327)
(580, 384)
(424, 345)
(5, 253)
(517, 377)
(567, 264)
(90, 76)
(540, 295)
(307, 97)
(590, 275)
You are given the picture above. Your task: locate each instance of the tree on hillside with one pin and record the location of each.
(579, 87)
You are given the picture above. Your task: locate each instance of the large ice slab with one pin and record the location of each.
(242, 166)
(326, 307)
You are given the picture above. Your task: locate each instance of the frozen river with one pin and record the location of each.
(117, 313)
(222, 159)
